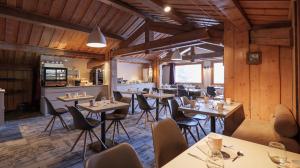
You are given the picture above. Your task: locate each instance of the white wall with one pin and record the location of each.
(129, 71)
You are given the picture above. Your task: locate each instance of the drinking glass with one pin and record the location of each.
(103, 98)
(277, 153)
(214, 159)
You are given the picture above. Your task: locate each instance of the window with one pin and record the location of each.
(188, 73)
(218, 77)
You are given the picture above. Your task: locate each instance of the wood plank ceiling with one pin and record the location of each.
(121, 23)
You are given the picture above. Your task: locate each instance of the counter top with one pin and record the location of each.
(73, 87)
(124, 84)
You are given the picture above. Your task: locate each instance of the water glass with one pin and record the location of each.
(277, 153)
(215, 160)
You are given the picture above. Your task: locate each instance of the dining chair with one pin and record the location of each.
(168, 141)
(116, 117)
(197, 117)
(155, 89)
(147, 90)
(165, 106)
(145, 107)
(122, 155)
(184, 123)
(86, 125)
(55, 113)
(211, 91)
(117, 95)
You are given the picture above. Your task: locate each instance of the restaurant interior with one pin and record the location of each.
(149, 83)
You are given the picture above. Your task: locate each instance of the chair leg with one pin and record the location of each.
(90, 136)
(113, 136)
(84, 145)
(185, 135)
(52, 125)
(124, 129)
(77, 140)
(112, 122)
(118, 128)
(197, 131)
(152, 116)
(146, 118)
(49, 124)
(63, 122)
(192, 134)
(140, 117)
(201, 128)
(99, 139)
(88, 114)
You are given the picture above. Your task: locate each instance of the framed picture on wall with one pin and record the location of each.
(254, 58)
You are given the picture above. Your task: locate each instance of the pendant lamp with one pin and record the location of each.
(96, 39)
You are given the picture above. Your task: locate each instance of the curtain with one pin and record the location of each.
(172, 75)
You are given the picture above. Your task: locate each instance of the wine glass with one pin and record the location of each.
(214, 159)
(277, 153)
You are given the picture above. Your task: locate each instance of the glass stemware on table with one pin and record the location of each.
(277, 153)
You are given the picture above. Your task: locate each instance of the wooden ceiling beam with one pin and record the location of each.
(234, 13)
(22, 15)
(134, 36)
(167, 28)
(194, 36)
(158, 6)
(49, 51)
(196, 56)
(212, 47)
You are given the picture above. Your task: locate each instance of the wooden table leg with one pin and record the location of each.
(75, 103)
(212, 124)
(157, 110)
(132, 103)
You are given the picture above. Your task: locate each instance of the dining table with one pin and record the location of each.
(75, 99)
(132, 93)
(211, 111)
(157, 97)
(254, 155)
(102, 107)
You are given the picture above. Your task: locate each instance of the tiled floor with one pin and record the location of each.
(23, 145)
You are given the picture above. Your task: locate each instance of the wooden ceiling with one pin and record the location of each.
(64, 24)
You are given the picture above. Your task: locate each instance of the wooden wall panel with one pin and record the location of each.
(229, 60)
(286, 82)
(267, 89)
(259, 87)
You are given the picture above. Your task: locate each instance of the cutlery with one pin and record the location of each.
(197, 157)
(239, 154)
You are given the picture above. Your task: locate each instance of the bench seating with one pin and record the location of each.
(282, 128)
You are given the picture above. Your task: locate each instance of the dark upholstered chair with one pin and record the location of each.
(116, 117)
(184, 123)
(211, 91)
(55, 113)
(168, 141)
(145, 107)
(117, 95)
(120, 156)
(147, 90)
(86, 125)
(155, 89)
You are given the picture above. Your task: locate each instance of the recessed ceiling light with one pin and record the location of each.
(167, 9)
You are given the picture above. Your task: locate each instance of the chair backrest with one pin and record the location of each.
(181, 87)
(155, 89)
(117, 95)
(168, 141)
(122, 155)
(50, 107)
(123, 110)
(211, 91)
(182, 92)
(185, 100)
(143, 104)
(147, 90)
(176, 114)
(79, 120)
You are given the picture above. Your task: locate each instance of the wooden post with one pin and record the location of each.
(157, 72)
(106, 80)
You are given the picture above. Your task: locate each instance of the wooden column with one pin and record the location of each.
(107, 75)
(156, 72)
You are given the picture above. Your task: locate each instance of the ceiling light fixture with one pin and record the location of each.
(96, 39)
(167, 9)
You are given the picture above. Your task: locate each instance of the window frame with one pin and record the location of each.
(212, 73)
(182, 64)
